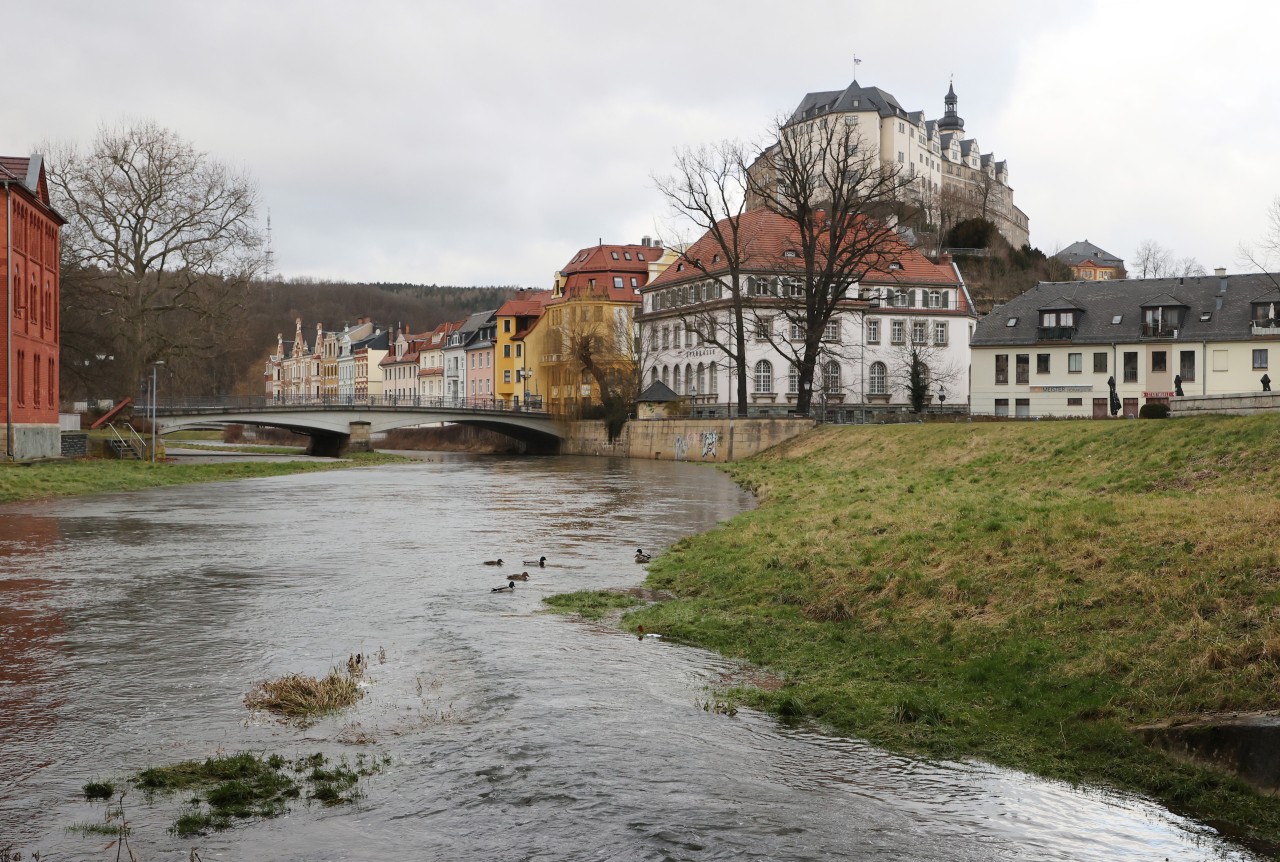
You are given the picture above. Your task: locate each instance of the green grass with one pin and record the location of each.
(99, 790)
(228, 788)
(1024, 593)
(48, 479)
(591, 604)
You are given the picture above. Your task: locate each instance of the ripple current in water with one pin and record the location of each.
(133, 625)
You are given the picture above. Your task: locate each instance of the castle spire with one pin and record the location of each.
(951, 121)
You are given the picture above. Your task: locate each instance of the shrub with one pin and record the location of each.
(1153, 411)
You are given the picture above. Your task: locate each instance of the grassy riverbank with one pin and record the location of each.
(47, 479)
(1023, 593)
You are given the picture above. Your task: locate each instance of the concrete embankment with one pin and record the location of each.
(684, 439)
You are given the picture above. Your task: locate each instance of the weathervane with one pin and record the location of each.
(856, 64)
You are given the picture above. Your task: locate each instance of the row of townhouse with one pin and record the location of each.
(526, 352)
(1072, 348)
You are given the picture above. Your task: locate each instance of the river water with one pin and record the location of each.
(131, 627)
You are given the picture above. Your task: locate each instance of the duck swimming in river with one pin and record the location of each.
(523, 576)
(641, 556)
(496, 562)
(509, 588)
(541, 562)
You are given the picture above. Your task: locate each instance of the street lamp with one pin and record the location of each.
(154, 365)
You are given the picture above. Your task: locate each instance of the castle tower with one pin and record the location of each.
(951, 121)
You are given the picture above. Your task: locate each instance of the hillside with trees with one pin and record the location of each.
(993, 269)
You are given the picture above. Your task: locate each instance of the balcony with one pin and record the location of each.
(1159, 330)
(1266, 326)
(1055, 333)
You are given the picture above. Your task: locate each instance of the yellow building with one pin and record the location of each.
(515, 319)
(590, 318)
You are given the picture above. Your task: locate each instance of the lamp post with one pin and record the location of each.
(154, 366)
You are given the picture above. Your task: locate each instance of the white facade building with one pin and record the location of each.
(1054, 349)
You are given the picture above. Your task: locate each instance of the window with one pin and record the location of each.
(1067, 318)
(666, 338)
(639, 255)
(898, 332)
(1002, 369)
(688, 381)
(940, 332)
(763, 377)
(702, 377)
(506, 376)
(832, 331)
(1011, 322)
(873, 330)
(1259, 360)
(1002, 406)
(1075, 363)
(935, 299)
(760, 286)
(1075, 402)
(1022, 368)
(900, 298)
(635, 282)
(1042, 363)
(1022, 408)
(617, 281)
(793, 378)
(1187, 365)
(791, 286)
(1100, 363)
(506, 351)
(614, 255)
(626, 255)
(1130, 367)
(1116, 319)
(831, 378)
(506, 325)
(22, 377)
(35, 379)
(877, 379)
(919, 331)
(791, 252)
(1159, 361)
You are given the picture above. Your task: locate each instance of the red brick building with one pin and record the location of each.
(29, 229)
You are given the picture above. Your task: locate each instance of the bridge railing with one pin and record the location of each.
(222, 403)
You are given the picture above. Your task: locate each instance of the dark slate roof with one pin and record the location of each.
(1098, 302)
(1079, 252)
(657, 392)
(852, 98)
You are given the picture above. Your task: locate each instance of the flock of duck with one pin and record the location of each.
(541, 562)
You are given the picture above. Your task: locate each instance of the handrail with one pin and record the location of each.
(137, 450)
(349, 402)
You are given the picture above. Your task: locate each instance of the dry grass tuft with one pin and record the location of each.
(298, 696)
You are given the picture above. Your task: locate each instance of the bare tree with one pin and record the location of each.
(599, 340)
(160, 244)
(709, 192)
(1152, 260)
(919, 365)
(1263, 254)
(838, 196)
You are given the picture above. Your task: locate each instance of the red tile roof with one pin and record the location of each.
(767, 235)
(527, 304)
(601, 264)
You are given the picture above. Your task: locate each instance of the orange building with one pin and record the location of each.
(30, 227)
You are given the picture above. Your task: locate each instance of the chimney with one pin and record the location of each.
(1220, 272)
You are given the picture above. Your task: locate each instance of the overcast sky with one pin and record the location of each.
(485, 142)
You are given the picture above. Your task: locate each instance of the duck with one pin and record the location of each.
(541, 562)
(509, 588)
(496, 562)
(523, 576)
(641, 556)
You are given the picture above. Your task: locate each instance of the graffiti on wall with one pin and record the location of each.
(709, 442)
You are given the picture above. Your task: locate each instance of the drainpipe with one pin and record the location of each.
(8, 280)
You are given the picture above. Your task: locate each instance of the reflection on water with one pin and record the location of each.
(133, 625)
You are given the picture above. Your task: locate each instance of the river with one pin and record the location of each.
(132, 626)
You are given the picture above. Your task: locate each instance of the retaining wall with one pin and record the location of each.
(1232, 404)
(684, 439)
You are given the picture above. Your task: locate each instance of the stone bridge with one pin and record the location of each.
(339, 424)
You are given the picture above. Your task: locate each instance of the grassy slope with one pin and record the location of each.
(69, 478)
(1019, 592)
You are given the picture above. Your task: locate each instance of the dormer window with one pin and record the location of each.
(614, 255)
(791, 252)
(893, 267)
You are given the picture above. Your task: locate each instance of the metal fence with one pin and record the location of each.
(348, 402)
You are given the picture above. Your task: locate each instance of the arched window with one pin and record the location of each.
(924, 375)
(714, 373)
(878, 382)
(764, 377)
(793, 377)
(688, 381)
(653, 374)
(702, 379)
(831, 378)
(666, 380)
